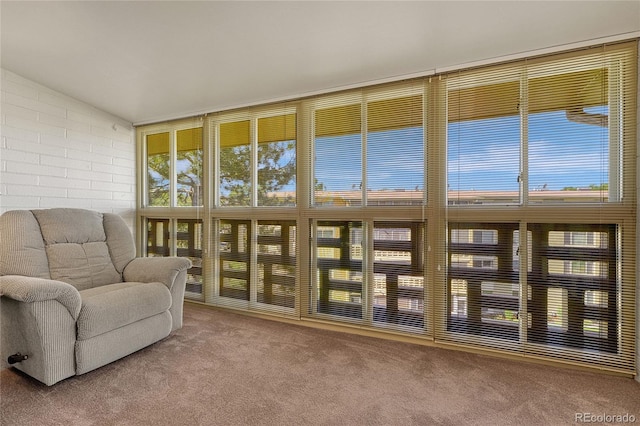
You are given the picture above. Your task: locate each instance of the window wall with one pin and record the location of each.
(491, 208)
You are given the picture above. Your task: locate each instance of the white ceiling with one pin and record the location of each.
(153, 60)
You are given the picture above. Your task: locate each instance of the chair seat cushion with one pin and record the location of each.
(112, 306)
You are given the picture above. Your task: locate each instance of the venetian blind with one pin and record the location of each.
(556, 136)
(369, 147)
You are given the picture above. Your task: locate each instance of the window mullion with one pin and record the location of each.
(524, 138)
(615, 130)
(363, 133)
(368, 278)
(254, 161)
(173, 181)
(523, 262)
(215, 175)
(253, 262)
(173, 237)
(313, 267)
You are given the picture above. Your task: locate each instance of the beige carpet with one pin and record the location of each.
(229, 369)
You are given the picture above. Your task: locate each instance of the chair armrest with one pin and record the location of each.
(156, 269)
(30, 289)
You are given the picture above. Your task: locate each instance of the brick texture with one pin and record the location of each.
(56, 151)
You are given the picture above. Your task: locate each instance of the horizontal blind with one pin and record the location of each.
(188, 167)
(558, 282)
(395, 141)
(337, 151)
(491, 207)
(483, 136)
(571, 157)
(234, 159)
(158, 173)
(276, 160)
(582, 140)
(369, 147)
(369, 152)
(254, 246)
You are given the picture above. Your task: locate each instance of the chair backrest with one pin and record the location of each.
(81, 247)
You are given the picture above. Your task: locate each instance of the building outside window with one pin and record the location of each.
(492, 207)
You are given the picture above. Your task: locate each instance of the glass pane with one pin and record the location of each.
(158, 170)
(276, 263)
(277, 161)
(474, 261)
(596, 298)
(339, 268)
(189, 245)
(569, 150)
(234, 258)
(483, 161)
(398, 266)
(578, 267)
(557, 309)
(578, 239)
(338, 156)
(483, 139)
(484, 285)
(596, 328)
(568, 161)
(474, 236)
(189, 167)
(158, 237)
(500, 291)
(235, 164)
(574, 286)
(500, 316)
(458, 303)
(395, 152)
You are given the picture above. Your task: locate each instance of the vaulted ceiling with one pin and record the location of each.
(147, 61)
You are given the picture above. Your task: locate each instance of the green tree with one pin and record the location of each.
(158, 179)
(601, 187)
(188, 177)
(276, 169)
(593, 186)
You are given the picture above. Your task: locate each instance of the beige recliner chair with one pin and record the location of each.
(75, 298)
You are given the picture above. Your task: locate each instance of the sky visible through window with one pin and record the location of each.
(482, 155)
(395, 160)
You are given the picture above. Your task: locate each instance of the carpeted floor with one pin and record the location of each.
(223, 368)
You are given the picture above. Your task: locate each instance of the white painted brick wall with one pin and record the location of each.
(56, 151)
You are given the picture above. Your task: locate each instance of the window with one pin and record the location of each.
(189, 167)
(179, 237)
(398, 267)
(158, 169)
(491, 207)
(257, 161)
(483, 139)
(483, 285)
(235, 163)
(535, 132)
(339, 274)
(158, 234)
(276, 263)
(572, 306)
(189, 235)
(174, 168)
(338, 177)
(235, 259)
(277, 160)
(369, 149)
